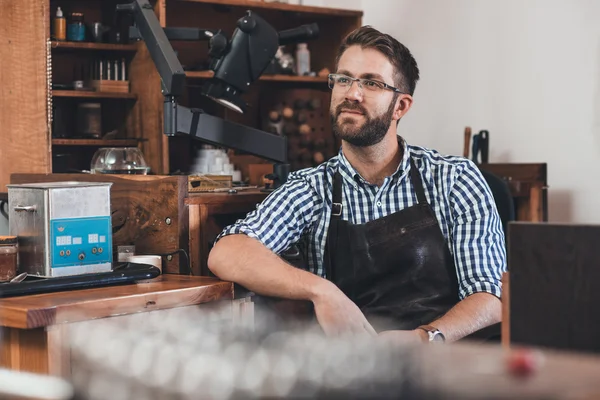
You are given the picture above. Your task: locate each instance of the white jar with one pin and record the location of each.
(302, 59)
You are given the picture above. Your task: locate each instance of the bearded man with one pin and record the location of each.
(400, 241)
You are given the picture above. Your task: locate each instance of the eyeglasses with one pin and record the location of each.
(368, 86)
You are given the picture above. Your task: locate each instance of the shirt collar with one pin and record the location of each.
(348, 172)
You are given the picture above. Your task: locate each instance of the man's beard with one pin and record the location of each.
(370, 133)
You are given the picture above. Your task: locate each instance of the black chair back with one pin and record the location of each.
(502, 197)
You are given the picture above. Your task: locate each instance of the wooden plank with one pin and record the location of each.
(536, 202)
(93, 46)
(145, 210)
(25, 134)
(163, 140)
(243, 196)
(145, 120)
(225, 203)
(203, 245)
(250, 4)
(195, 237)
(59, 350)
(166, 291)
(96, 142)
(272, 78)
(518, 171)
(5, 348)
(183, 224)
(505, 327)
(88, 94)
(25, 350)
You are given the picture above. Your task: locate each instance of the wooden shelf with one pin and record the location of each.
(281, 7)
(93, 46)
(293, 78)
(267, 78)
(96, 142)
(92, 94)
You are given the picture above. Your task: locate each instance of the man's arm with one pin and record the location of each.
(476, 312)
(246, 253)
(244, 260)
(479, 256)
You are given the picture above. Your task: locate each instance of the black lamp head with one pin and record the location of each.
(241, 61)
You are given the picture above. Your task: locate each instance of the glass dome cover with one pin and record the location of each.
(119, 160)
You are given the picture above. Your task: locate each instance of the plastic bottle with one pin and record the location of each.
(60, 26)
(302, 59)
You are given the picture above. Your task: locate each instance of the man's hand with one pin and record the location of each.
(338, 315)
(404, 337)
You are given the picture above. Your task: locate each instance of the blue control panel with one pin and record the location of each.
(80, 241)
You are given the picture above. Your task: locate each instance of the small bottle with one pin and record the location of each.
(60, 26)
(302, 59)
(76, 29)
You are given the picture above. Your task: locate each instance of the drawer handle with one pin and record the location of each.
(26, 208)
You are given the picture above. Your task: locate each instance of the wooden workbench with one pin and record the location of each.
(158, 215)
(35, 329)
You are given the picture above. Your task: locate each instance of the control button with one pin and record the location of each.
(81, 256)
(94, 250)
(62, 253)
(68, 253)
(100, 250)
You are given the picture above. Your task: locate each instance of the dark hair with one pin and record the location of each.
(367, 37)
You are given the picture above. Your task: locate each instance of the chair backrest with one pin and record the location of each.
(502, 197)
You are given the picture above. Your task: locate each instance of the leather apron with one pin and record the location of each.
(398, 269)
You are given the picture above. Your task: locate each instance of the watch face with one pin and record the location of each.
(437, 336)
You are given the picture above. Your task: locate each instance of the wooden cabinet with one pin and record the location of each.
(36, 138)
(528, 184)
(37, 332)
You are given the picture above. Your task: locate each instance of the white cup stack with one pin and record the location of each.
(214, 162)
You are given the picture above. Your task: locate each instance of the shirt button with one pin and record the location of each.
(378, 204)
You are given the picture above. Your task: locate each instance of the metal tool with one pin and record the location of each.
(19, 278)
(481, 143)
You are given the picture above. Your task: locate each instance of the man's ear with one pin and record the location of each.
(403, 104)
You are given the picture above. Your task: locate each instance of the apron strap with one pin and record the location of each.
(417, 182)
(332, 232)
(336, 206)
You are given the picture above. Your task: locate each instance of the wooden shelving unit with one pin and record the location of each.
(93, 46)
(138, 115)
(96, 142)
(266, 78)
(93, 95)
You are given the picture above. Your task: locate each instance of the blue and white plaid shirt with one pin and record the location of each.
(464, 206)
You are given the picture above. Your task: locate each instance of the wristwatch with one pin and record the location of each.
(435, 335)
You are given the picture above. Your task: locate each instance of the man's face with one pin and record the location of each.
(358, 117)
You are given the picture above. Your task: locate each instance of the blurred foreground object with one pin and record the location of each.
(197, 357)
(24, 385)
